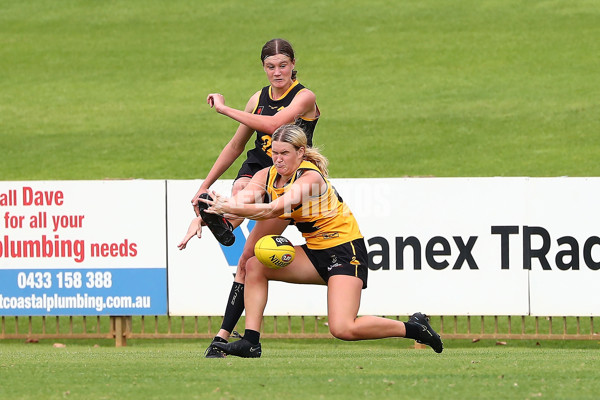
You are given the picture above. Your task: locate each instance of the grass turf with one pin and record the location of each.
(94, 90)
(298, 369)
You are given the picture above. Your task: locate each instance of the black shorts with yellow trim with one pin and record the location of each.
(249, 169)
(256, 160)
(345, 259)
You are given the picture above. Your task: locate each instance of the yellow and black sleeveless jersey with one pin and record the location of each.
(325, 220)
(261, 153)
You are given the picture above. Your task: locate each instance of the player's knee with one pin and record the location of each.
(238, 185)
(341, 331)
(247, 253)
(254, 269)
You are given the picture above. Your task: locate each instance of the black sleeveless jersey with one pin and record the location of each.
(261, 153)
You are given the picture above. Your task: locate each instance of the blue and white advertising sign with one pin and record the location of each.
(201, 275)
(83, 248)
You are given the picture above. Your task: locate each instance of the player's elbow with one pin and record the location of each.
(275, 122)
(236, 147)
(271, 127)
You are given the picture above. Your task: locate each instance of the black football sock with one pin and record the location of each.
(412, 330)
(219, 339)
(252, 336)
(235, 307)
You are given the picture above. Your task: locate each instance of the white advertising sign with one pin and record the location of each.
(564, 230)
(444, 246)
(432, 246)
(82, 248)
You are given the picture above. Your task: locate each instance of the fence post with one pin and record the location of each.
(121, 330)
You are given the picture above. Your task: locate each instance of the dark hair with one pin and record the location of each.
(278, 46)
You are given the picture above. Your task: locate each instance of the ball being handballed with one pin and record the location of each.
(274, 251)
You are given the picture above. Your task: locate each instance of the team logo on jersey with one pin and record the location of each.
(259, 110)
(266, 144)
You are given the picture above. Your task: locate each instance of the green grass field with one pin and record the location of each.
(298, 369)
(117, 89)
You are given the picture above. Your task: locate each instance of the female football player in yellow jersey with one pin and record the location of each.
(284, 101)
(335, 254)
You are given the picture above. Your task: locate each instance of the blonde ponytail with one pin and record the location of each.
(313, 155)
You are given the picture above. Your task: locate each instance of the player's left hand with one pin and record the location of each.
(195, 229)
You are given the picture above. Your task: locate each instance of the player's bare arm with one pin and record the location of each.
(303, 105)
(234, 148)
(309, 184)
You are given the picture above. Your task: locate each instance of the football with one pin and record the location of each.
(274, 251)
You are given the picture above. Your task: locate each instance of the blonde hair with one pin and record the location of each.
(294, 135)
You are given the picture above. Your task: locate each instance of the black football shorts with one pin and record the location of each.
(345, 259)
